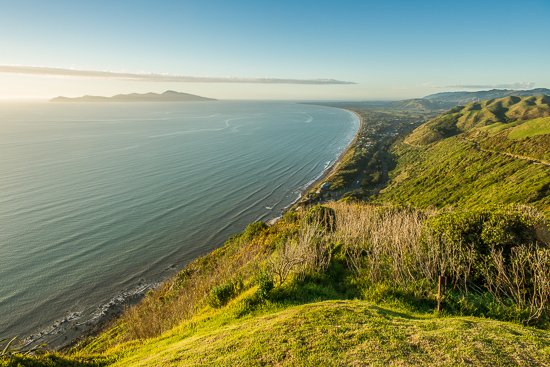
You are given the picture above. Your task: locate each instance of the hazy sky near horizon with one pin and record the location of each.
(390, 49)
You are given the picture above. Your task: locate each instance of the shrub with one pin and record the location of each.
(253, 229)
(495, 252)
(463, 239)
(291, 216)
(264, 280)
(305, 252)
(285, 261)
(265, 284)
(223, 293)
(523, 279)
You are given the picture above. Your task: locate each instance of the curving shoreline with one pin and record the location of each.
(327, 172)
(334, 166)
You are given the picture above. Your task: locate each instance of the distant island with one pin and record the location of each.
(168, 96)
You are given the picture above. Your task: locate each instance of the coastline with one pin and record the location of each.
(326, 174)
(335, 166)
(71, 330)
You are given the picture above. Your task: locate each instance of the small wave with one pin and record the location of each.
(81, 323)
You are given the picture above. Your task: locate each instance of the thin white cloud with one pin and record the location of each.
(518, 85)
(152, 77)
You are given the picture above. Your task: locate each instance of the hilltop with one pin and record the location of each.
(168, 96)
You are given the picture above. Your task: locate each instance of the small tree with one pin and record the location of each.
(286, 260)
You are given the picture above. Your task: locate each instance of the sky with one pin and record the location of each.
(303, 50)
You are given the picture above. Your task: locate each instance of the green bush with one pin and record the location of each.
(265, 284)
(253, 229)
(291, 216)
(485, 229)
(223, 293)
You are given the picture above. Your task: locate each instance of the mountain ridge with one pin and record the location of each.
(463, 97)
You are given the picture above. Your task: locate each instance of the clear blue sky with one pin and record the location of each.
(391, 49)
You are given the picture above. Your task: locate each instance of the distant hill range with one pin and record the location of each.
(168, 96)
(439, 102)
(461, 98)
(446, 100)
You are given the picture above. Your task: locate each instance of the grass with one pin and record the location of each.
(535, 127)
(453, 173)
(340, 333)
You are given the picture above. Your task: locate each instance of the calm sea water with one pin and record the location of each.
(99, 200)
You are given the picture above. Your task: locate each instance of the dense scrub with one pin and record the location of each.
(495, 261)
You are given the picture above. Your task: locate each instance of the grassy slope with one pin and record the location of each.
(484, 153)
(452, 172)
(529, 138)
(340, 333)
(535, 127)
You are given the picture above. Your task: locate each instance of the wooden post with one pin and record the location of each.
(441, 288)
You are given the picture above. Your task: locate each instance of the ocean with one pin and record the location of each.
(100, 201)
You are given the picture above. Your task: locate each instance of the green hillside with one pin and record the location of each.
(487, 153)
(478, 114)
